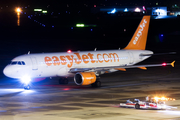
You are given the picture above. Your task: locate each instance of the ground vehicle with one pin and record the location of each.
(153, 103)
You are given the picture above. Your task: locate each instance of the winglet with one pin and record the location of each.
(172, 64)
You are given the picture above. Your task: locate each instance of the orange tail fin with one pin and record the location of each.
(138, 41)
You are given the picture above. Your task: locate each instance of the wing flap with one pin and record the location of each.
(121, 69)
(143, 68)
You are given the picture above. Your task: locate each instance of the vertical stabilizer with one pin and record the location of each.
(138, 41)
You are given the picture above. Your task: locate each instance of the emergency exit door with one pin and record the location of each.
(131, 61)
(34, 63)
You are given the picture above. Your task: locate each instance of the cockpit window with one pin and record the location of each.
(14, 63)
(23, 63)
(17, 63)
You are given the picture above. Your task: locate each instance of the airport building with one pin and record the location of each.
(159, 11)
(154, 11)
(123, 9)
(119, 10)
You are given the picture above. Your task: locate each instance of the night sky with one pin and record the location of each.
(109, 33)
(88, 2)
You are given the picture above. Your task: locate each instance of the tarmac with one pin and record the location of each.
(48, 100)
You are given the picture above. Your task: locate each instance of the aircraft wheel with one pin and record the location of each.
(63, 81)
(60, 81)
(96, 84)
(26, 87)
(66, 81)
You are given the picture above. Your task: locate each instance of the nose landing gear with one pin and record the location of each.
(26, 87)
(26, 80)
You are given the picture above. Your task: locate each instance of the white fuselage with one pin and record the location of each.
(59, 64)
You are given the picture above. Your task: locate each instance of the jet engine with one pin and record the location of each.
(85, 78)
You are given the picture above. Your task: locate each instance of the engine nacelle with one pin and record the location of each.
(85, 78)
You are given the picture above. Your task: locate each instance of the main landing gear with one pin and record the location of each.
(97, 83)
(63, 81)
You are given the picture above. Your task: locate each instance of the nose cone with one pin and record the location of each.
(10, 71)
(7, 71)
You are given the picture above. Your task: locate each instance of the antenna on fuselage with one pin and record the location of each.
(28, 52)
(95, 49)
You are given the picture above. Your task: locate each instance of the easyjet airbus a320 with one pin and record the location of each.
(86, 66)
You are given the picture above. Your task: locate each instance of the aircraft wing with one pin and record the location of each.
(157, 54)
(74, 70)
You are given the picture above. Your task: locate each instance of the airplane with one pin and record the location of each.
(85, 66)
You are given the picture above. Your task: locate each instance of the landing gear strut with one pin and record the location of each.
(63, 81)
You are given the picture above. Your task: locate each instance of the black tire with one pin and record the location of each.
(27, 87)
(63, 81)
(96, 84)
(93, 85)
(137, 106)
(60, 81)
